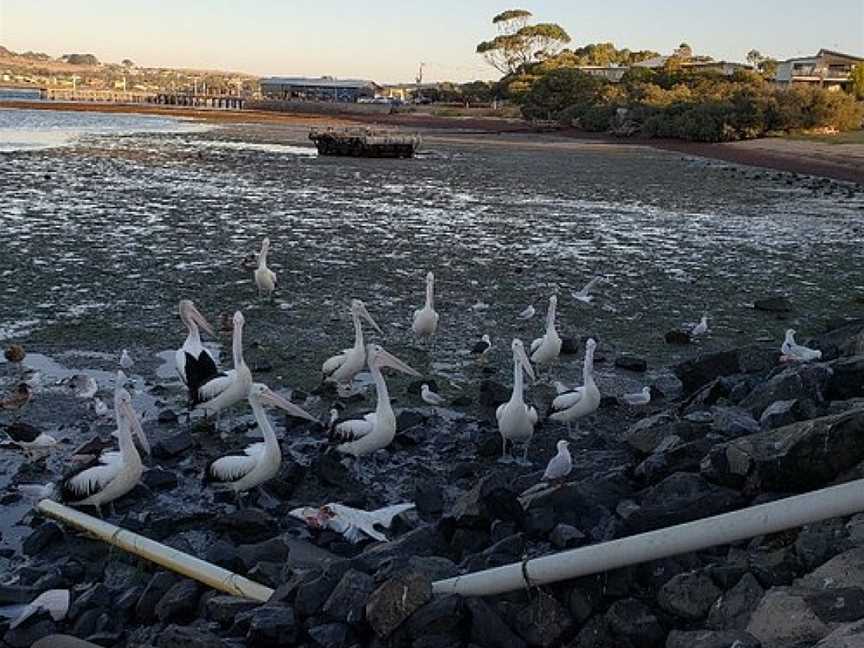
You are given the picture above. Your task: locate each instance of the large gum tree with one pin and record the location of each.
(519, 43)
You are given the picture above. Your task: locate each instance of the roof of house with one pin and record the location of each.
(319, 82)
(825, 53)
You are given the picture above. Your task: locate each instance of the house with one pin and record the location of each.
(611, 73)
(317, 89)
(695, 64)
(831, 70)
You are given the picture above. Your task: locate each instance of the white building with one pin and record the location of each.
(827, 69)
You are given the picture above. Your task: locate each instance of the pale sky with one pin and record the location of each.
(386, 40)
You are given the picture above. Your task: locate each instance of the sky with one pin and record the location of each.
(386, 40)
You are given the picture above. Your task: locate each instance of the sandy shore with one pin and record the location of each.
(837, 161)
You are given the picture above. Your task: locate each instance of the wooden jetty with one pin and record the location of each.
(365, 142)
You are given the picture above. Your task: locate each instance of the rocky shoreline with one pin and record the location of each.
(735, 428)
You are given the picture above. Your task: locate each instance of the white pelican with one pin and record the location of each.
(113, 473)
(362, 434)
(577, 403)
(584, 295)
(430, 396)
(195, 364)
(342, 368)
(265, 278)
(516, 420)
(259, 462)
(482, 347)
(795, 352)
(642, 397)
(528, 313)
(426, 319)
(701, 328)
(126, 360)
(233, 386)
(546, 349)
(561, 464)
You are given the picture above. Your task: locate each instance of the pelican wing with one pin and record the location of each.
(332, 364)
(536, 344)
(256, 449)
(500, 411)
(233, 467)
(90, 480)
(568, 399)
(214, 387)
(354, 428)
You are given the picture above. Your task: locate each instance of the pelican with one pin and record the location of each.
(259, 462)
(426, 319)
(430, 396)
(265, 278)
(546, 349)
(366, 433)
(642, 397)
(516, 420)
(126, 360)
(113, 473)
(795, 352)
(528, 313)
(342, 368)
(584, 295)
(233, 386)
(482, 347)
(577, 403)
(701, 328)
(561, 464)
(195, 364)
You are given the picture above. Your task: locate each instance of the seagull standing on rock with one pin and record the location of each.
(561, 464)
(637, 399)
(793, 352)
(429, 396)
(126, 360)
(701, 328)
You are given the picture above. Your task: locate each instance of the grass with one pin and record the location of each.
(849, 137)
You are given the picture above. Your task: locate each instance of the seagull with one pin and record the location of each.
(584, 295)
(426, 319)
(482, 347)
(795, 352)
(701, 328)
(353, 524)
(229, 388)
(99, 407)
(126, 360)
(363, 434)
(82, 385)
(429, 396)
(546, 349)
(561, 464)
(265, 278)
(342, 368)
(527, 314)
(578, 403)
(18, 398)
(516, 420)
(28, 438)
(259, 462)
(639, 398)
(195, 364)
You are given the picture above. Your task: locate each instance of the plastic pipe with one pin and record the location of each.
(182, 563)
(787, 513)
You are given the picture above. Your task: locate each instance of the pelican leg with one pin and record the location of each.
(111, 512)
(357, 471)
(525, 452)
(238, 499)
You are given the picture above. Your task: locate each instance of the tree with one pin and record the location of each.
(857, 77)
(684, 51)
(519, 43)
(127, 63)
(755, 58)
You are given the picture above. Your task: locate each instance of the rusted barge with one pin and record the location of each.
(365, 142)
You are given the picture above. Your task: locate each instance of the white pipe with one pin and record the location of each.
(788, 513)
(175, 560)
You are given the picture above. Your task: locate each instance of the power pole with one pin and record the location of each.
(419, 77)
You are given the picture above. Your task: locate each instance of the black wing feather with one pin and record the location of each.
(199, 371)
(70, 495)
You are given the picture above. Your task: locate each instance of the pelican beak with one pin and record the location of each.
(526, 363)
(368, 318)
(200, 320)
(271, 398)
(386, 359)
(135, 424)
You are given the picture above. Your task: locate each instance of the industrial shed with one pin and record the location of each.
(317, 89)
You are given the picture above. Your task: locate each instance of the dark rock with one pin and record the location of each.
(225, 555)
(272, 549)
(441, 616)
(332, 635)
(424, 541)
(41, 538)
(807, 381)
(312, 594)
(223, 608)
(502, 552)
(17, 594)
(775, 567)
(711, 639)
(847, 635)
(96, 597)
(733, 609)
(159, 584)
(847, 380)
(271, 627)
(700, 371)
(843, 570)
(488, 630)
(798, 457)
(396, 600)
(631, 363)
(247, 525)
(348, 599)
(543, 621)
(433, 567)
(428, 497)
(570, 346)
(36, 628)
(176, 636)
(179, 602)
(673, 456)
(773, 305)
(677, 336)
(838, 605)
(173, 445)
(733, 422)
(779, 414)
(167, 416)
(539, 521)
(783, 618)
(689, 595)
(634, 622)
(817, 543)
(564, 536)
(159, 479)
(491, 498)
(493, 394)
(267, 573)
(408, 419)
(647, 434)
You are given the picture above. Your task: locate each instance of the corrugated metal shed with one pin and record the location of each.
(319, 82)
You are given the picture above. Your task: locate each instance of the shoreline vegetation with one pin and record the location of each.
(839, 158)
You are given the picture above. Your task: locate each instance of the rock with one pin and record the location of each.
(570, 346)
(779, 414)
(37, 627)
(442, 615)
(65, 641)
(648, 433)
(312, 594)
(631, 363)
(783, 618)
(773, 305)
(488, 630)
(819, 542)
(433, 567)
(159, 479)
(677, 336)
(396, 600)
(167, 416)
(733, 609)
(348, 599)
(96, 597)
(179, 602)
(428, 497)
(543, 621)
(849, 635)
(332, 635)
(424, 541)
(502, 552)
(711, 639)
(673, 456)
(493, 394)
(408, 419)
(838, 605)
(247, 525)
(847, 380)
(633, 621)
(700, 371)
(173, 445)
(271, 627)
(251, 554)
(491, 498)
(175, 636)
(843, 571)
(224, 554)
(539, 521)
(223, 608)
(156, 588)
(733, 422)
(564, 536)
(775, 567)
(799, 457)
(41, 538)
(805, 381)
(689, 595)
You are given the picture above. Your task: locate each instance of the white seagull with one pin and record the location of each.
(701, 328)
(342, 368)
(642, 397)
(577, 403)
(516, 420)
(429, 396)
(265, 278)
(362, 434)
(584, 295)
(795, 352)
(546, 349)
(126, 360)
(233, 386)
(259, 462)
(527, 314)
(195, 364)
(426, 319)
(561, 464)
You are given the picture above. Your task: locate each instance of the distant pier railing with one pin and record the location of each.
(217, 102)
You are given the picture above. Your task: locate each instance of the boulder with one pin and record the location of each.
(848, 635)
(428, 497)
(96, 597)
(173, 445)
(671, 456)
(488, 630)
(700, 371)
(25, 635)
(847, 378)
(795, 458)
(156, 588)
(223, 608)
(176, 636)
(733, 609)
(493, 394)
(565, 536)
(332, 635)
(733, 422)
(348, 599)
(711, 639)
(775, 304)
(41, 538)
(396, 600)
(843, 571)
(180, 601)
(677, 336)
(801, 381)
(271, 627)
(838, 605)
(780, 413)
(313, 593)
(648, 433)
(423, 541)
(491, 498)
(634, 622)
(689, 595)
(441, 616)
(783, 618)
(631, 363)
(543, 621)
